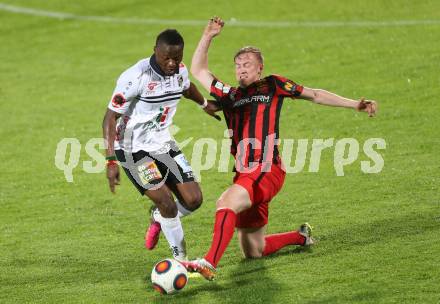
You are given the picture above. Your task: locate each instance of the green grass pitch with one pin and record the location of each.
(75, 242)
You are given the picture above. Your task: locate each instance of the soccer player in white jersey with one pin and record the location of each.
(136, 130)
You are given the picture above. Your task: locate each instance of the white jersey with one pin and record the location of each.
(147, 100)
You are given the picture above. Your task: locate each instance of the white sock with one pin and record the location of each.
(173, 231)
(181, 211)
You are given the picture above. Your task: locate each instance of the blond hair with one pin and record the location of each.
(250, 49)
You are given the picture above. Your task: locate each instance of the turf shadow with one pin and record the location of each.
(359, 235)
(247, 282)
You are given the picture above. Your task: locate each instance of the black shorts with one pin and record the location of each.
(150, 170)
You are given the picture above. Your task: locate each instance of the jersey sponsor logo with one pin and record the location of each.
(118, 100)
(148, 172)
(180, 80)
(152, 85)
(158, 121)
(152, 125)
(256, 98)
(161, 119)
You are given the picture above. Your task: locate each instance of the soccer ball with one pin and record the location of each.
(169, 276)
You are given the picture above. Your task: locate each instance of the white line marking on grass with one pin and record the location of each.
(232, 22)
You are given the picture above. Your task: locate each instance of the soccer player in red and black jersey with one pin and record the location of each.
(252, 113)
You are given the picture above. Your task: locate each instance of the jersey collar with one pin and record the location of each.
(157, 68)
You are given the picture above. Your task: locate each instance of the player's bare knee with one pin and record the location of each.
(227, 204)
(221, 203)
(194, 201)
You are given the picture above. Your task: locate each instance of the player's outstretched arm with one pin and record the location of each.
(194, 94)
(330, 99)
(109, 134)
(199, 64)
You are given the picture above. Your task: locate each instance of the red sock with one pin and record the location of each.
(223, 231)
(275, 242)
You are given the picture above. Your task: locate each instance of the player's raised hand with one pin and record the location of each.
(211, 108)
(113, 176)
(214, 26)
(369, 106)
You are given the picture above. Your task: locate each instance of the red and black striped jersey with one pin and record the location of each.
(253, 113)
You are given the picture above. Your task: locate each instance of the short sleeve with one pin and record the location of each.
(184, 72)
(125, 92)
(286, 87)
(221, 91)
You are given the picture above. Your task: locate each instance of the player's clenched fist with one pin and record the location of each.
(369, 106)
(214, 26)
